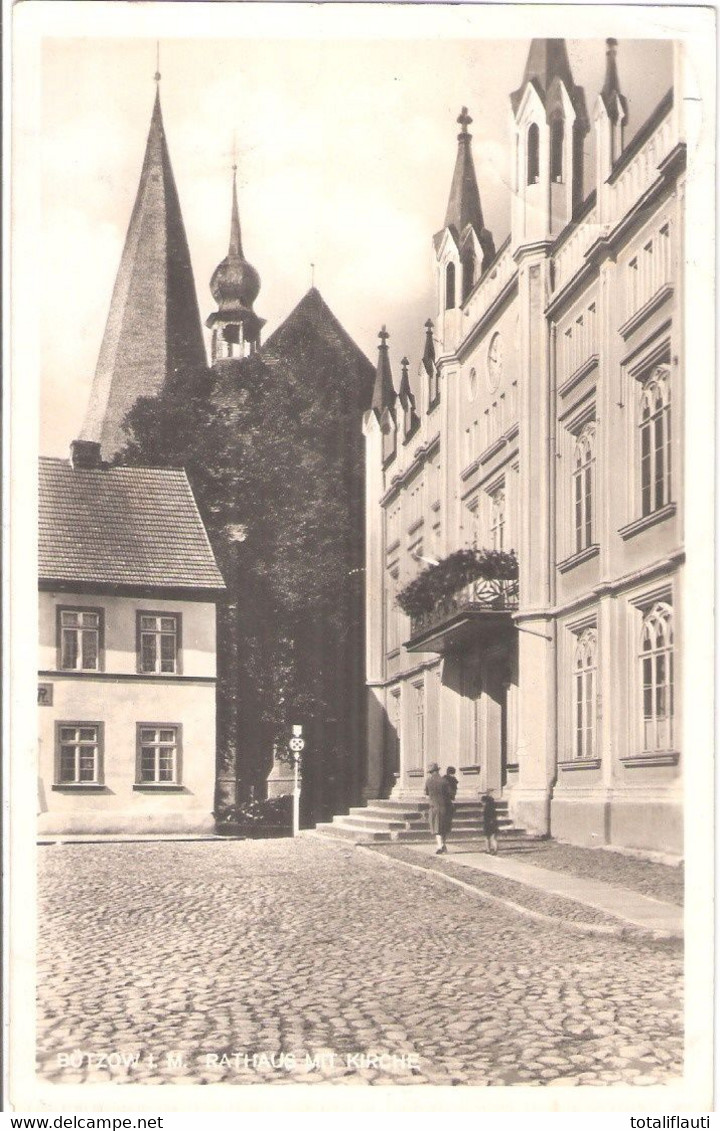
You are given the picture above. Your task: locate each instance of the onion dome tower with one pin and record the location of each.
(153, 332)
(235, 285)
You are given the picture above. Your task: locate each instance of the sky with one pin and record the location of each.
(345, 152)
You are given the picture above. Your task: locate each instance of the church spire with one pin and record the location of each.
(464, 202)
(616, 104)
(384, 395)
(153, 331)
(235, 284)
(464, 210)
(610, 93)
(235, 237)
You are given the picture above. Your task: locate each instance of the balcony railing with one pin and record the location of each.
(481, 610)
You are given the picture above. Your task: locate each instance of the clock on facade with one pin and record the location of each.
(495, 362)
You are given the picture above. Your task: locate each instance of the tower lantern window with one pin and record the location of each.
(533, 154)
(557, 138)
(450, 286)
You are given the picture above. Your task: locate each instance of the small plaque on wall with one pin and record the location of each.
(45, 694)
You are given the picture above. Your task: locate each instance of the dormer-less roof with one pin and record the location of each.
(124, 527)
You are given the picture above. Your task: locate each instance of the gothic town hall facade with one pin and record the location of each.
(548, 421)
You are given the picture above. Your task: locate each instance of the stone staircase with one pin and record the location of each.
(406, 821)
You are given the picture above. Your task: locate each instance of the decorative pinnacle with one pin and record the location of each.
(383, 336)
(464, 121)
(404, 362)
(429, 324)
(157, 76)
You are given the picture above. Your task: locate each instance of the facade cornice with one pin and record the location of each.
(532, 250)
(608, 245)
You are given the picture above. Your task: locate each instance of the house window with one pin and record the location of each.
(450, 286)
(79, 646)
(158, 646)
(655, 451)
(557, 137)
(585, 698)
(497, 520)
(656, 674)
(79, 760)
(533, 155)
(583, 486)
(158, 755)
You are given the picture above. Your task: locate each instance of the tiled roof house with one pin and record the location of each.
(126, 691)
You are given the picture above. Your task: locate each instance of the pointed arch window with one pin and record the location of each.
(584, 486)
(533, 154)
(655, 440)
(656, 673)
(557, 141)
(585, 694)
(450, 286)
(468, 272)
(497, 519)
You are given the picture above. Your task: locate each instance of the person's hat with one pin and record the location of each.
(433, 767)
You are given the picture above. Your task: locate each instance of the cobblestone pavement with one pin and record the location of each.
(180, 963)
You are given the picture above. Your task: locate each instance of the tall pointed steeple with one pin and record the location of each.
(153, 332)
(235, 285)
(464, 208)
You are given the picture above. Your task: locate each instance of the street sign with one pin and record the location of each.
(296, 745)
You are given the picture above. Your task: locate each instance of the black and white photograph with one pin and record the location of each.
(359, 479)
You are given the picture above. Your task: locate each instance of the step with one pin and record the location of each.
(460, 802)
(352, 832)
(372, 820)
(374, 813)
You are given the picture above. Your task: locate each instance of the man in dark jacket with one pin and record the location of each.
(438, 792)
(490, 821)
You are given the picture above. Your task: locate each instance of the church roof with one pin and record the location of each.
(310, 341)
(153, 329)
(125, 526)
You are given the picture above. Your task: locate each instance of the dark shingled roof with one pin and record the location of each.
(122, 526)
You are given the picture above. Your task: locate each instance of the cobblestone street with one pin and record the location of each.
(281, 961)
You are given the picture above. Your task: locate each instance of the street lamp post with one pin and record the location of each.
(297, 745)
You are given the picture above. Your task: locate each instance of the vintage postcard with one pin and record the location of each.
(359, 485)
